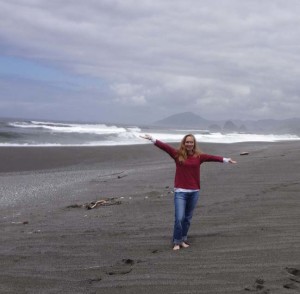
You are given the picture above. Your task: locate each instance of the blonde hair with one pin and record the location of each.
(181, 152)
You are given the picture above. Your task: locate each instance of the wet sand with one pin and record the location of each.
(245, 234)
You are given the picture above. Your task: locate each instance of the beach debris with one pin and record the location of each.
(95, 204)
(35, 232)
(244, 153)
(102, 202)
(128, 261)
(21, 223)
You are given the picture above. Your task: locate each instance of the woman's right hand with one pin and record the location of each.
(147, 137)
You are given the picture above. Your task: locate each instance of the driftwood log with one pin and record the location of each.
(102, 202)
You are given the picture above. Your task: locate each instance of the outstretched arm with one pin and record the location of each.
(163, 146)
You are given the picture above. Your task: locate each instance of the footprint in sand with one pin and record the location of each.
(291, 286)
(122, 269)
(258, 286)
(118, 271)
(294, 278)
(91, 281)
(293, 271)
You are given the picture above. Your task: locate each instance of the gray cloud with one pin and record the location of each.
(219, 59)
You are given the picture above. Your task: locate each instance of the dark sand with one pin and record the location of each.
(245, 234)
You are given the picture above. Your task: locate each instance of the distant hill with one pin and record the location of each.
(185, 119)
(266, 126)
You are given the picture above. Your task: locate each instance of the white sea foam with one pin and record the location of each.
(52, 134)
(98, 129)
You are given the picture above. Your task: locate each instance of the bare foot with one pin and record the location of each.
(176, 247)
(184, 245)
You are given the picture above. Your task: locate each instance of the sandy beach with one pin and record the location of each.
(245, 234)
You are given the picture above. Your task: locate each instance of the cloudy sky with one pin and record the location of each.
(140, 61)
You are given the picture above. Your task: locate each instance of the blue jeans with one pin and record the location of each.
(185, 203)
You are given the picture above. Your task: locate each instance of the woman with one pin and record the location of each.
(188, 159)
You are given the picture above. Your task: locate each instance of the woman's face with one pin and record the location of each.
(189, 143)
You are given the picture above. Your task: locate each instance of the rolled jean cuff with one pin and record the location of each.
(177, 242)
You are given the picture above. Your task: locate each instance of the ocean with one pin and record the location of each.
(47, 133)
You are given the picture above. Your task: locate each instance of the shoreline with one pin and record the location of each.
(244, 234)
(18, 158)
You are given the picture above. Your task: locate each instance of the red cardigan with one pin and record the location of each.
(187, 174)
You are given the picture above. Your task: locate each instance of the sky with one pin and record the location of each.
(129, 61)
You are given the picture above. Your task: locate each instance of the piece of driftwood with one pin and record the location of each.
(102, 202)
(95, 204)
